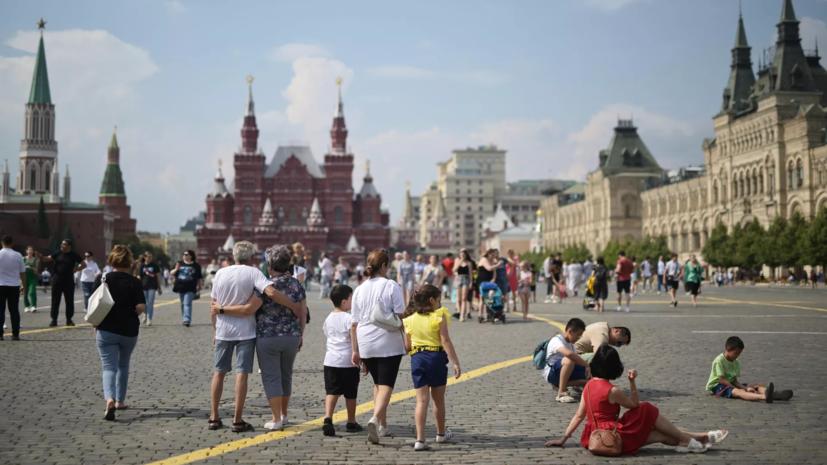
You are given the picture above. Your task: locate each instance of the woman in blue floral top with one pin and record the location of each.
(279, 334)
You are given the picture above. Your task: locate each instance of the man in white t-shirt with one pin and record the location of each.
(234, 285)
(563, 366)
(12, 284)
(325, 276)
(87, 278)
(661, 269)
(547, 276)
(646, 268)
(672, 278)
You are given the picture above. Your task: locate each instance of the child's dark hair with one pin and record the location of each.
(339, 293)
(606, 363)
(576, 324)
(600, 261)
(734, 342)
(421, 300)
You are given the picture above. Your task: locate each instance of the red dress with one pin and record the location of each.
(512, 277)
(634, 426)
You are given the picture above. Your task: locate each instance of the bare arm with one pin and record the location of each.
(578, 418)
(23, 283)
(487, 265)
(139, 309)
(79, 268)
(354, 345)
(408, 343)
(253, 304)
(448, 346)
(574, 357)
(616, 396)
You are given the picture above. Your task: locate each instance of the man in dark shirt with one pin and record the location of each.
(150, 274)
(67, 263)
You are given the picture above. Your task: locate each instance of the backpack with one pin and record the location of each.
(600, 274)
(540, 361)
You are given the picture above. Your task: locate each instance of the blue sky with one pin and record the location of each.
(545, 80)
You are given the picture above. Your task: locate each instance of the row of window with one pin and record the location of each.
(292, 215)
(250, 185)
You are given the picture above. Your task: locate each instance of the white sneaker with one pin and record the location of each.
(284, 420)
(34, 309)
(373, 430)
(566, 399)
(421, 445)
(5, 325)
(618, 309)
(547, 301)
(626, 310)
(143, 318)
(694, 447)
(384, 431)
(274, 426)
(445, 437)
(717, 436)
(658, 292)
(148, 322)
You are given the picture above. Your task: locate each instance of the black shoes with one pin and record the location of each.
(327, 428)
(769, 394)
(70, 323)
(186, 323)
(53, 323)
(17, 338)
(783, 395)
(354, 428)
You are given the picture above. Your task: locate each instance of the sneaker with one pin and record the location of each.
(618, 308)
(783, 395)
(34, 309)
(274, 426)
(658, 292)
(53, 323)
(148, 322)
(25, 309)
(284, 420)
(626, 310)
(5, 326)
(547, 301)
(770, 393)
(694, 447)
(143, 318)
(354, 428)
(421, 445)
(187, 324)
(445, 437)
(70, 323)
(327, 428)
(373, 430)
(717, 436)
(566, 399)
(17, 338)
(384, 431)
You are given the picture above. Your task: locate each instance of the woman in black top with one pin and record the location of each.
(601, 284)
(117, 334)
(188, 282)
(463, 268)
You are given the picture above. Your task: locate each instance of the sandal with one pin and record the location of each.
(214, 424)
(122, 408)
(241, 427)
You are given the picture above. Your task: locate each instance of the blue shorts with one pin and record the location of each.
(429, 369)
(244, 354)
(554, 375)
(724, 391)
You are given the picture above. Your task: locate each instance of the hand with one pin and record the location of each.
(364, 370)
(301, 343)
(749, 389)
(22, 290)
(556, 442)
(213, 341)
(632, 375)
(355, 359)
(457, 371)
(38, 255)
(588, 372)
(160, 291)
(215, 307)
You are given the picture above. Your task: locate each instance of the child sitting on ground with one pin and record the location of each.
(726, 368)
(563, 366)
(340, 376)
(427, 341)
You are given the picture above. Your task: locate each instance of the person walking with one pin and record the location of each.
(575, 278)
(117, 335)
(188, 281)
(624, 271)
(463, 269)
(448, 267)
(692, 274)
(379, 350)
(150, 276)
(660, 269)
(486, 272)
(433, 273)
(547, 277)
(646, 270)
(419, 269)
(211, 270)
(30, 290)
(601, 284)
(525, 282)
(87, 278)
(67, 263)
(672, 278)
(513, 270)
(405, 270)
(12, 285)
(342, 272)
(325, 276)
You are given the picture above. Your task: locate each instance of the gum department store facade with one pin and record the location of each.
(768, 158)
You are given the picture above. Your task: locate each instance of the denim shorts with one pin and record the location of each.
(724, 391)
(244, 354)
(429, 369)
(554, 375)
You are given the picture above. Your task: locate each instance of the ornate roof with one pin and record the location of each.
(627, 152)
(218, 188)
(741, 77)
(302, 152)
(353, 244)
(112, 184)
(40, 81)
(315, 217)
(498, 222)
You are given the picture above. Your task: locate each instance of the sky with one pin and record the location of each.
(544, 80)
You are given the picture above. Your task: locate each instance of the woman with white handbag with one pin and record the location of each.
(377, 336)
(116, 329)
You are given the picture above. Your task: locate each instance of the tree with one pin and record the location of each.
(816, 242)
(771, 252)
(576, 253)
(138, 247)
(715, 248)
(67, 234)
(42, 221)
(54, 241)
(791, 242)
(609, 253)
(748, 248)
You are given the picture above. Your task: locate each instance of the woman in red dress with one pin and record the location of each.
(641, 425)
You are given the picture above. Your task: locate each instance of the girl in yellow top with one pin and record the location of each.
(426, 339)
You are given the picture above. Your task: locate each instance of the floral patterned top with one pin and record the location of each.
(273, 319)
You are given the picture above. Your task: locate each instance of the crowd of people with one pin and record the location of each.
(395, 309)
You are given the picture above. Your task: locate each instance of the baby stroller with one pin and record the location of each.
(588, 300)
(493, 302)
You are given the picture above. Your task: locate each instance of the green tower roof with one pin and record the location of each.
(113, 144)
(112, 185)
(40, 81)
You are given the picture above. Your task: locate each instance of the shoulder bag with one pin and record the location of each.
(389, 321)
(603, 442)
(99, 304)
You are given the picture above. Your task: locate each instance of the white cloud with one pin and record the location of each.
(312, 94)
(291, 52)
(612, 5)
(175, 6)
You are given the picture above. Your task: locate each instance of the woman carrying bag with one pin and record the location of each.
(377, 336)
(117, 333)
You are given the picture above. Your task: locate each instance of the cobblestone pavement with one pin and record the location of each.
(51, 403)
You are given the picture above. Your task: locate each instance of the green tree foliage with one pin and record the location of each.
(771, 251)
(139, 247)
(577, 253)
(791, 242)
(816, 242)
(54, 241)
(749, 245)
(715, 249)
(67, 234)
(42, 221)
(610, 252)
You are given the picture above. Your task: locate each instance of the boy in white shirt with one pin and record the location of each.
(563, 366)
(340, 376)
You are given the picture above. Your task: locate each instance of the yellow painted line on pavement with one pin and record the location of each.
(770, 304)
(551, 322)
(338, 417)
(56, 328)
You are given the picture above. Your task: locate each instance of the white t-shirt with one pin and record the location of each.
(337, 331)
(672, 269)
(661, 267)
(647, 269)
(546, 264)
(87, 275)
(373, 340)
(326, 267)
(553, 354)
(11, 265)
(233, 285)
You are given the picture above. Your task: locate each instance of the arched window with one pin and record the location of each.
(48, 121)
(754, 181)
(32, 178)
(749, 185)
(281, 212)
(741, 186)
(293, 215)
(36, 125)
(791, 174)
(761, 181)
(248, 214)
(800, 174)
(338, 214)
(734, 187)
(304, 213)
(715, 192)
(217, 217)
(47, 179)
(369, 217)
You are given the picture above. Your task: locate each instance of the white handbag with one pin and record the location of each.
(390, 322)
(99, 304)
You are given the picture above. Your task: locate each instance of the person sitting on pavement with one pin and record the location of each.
(563, 366)
(597, 334)
(641, 425)
(723, 380)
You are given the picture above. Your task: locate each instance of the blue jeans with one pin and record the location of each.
(115, 351)
(660, 281)
(149, 296)
(186, 305)
(87, 292)
(325, 281)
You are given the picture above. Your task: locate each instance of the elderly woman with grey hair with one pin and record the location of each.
(278, 333)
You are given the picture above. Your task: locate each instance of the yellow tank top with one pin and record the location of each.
(424, 329)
